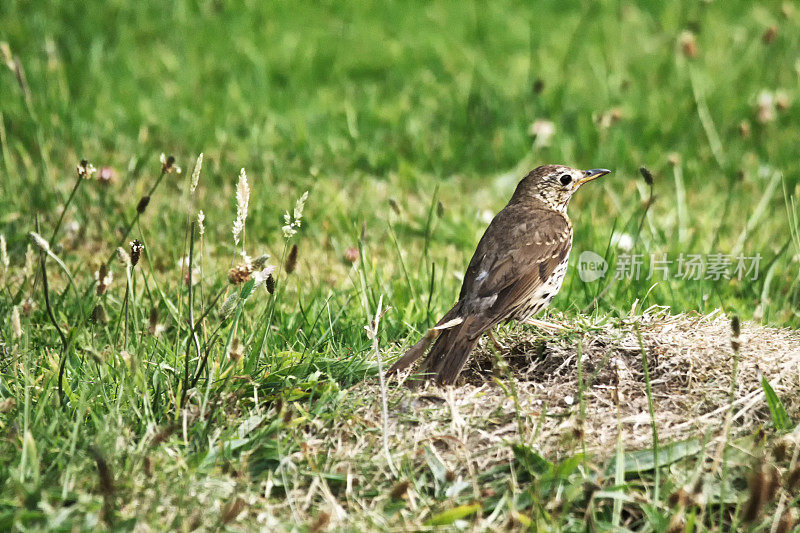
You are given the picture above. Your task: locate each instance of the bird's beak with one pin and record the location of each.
(593, 174)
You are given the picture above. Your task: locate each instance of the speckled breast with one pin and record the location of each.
(541, 297)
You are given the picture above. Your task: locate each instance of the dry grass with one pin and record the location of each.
(690, 360)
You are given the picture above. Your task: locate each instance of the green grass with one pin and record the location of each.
(406, 125)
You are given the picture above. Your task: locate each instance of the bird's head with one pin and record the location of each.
(555, 184)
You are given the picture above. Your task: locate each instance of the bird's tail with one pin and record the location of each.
(450, 352)
(455, 338)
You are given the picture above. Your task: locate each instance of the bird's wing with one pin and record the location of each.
(517, 254)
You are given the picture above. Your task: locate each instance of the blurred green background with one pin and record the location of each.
(422, 103)
(409, 123)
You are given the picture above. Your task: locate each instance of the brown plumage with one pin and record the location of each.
(515, 272)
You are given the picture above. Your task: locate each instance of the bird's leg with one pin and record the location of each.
(543, 324)
(497, 346)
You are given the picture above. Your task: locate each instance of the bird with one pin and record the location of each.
(516, 271)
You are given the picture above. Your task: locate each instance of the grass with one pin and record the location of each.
(147, 404)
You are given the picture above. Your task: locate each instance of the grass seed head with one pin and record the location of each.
(142, 205)
(270, 284)
(7, 405)
(769, 35)
(99, 315)
(28, 305)
(103, 277)
(240, 274)
(229, 304)
(196, 173)
(237, 349)
(4, 252)
(647, 175)
(30, 260)
(242, 203)
(260, 262)
(291, 260)
(167, 164)
(124, 257)
(136, 251)
(85, 170)
(201, 218)
(40, 241)
(154, 326)
(16, 324)
(763, 486)
(104, 473)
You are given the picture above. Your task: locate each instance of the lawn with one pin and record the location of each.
(210, 386)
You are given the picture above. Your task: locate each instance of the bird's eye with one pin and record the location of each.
(565, 179)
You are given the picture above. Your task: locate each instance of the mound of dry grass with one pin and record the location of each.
(690, 361)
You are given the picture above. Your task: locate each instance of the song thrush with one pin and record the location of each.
(516, 270)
